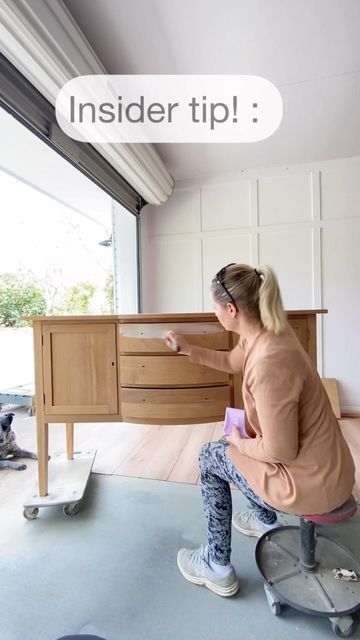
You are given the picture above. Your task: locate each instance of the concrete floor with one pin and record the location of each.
(111, 571)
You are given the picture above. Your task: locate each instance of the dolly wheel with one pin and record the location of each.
(30, 513)
(343, 627)
(71, 509)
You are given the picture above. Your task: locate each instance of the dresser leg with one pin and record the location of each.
(70, 440)
(43, 454)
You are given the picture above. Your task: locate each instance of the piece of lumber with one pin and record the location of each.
(331, 389)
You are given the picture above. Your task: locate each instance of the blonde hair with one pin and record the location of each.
(256, 291)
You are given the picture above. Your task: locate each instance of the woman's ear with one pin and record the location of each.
(231, 309)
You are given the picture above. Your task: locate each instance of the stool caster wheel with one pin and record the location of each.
(30, 513)
(276, 608)
(342, 627)
(71, 509)
(273, 601)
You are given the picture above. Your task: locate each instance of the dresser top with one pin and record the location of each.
(155, 317)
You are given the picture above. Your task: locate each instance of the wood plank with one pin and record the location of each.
(116, 446)
(351, 431)
(113, 441)
(331, 389)
(186, 467)
(156, 455)
(218, 431)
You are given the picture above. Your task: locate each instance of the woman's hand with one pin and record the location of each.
(177, 342)
(234, 437)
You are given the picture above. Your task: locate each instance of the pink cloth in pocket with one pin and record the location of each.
(234, 417)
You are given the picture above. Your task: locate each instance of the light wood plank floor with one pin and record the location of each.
(155, 452)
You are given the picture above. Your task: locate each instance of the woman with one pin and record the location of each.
(295, 459)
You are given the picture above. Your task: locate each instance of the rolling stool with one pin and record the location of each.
(294, 576)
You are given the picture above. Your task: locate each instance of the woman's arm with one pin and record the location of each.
(276, 391)
(229, 361)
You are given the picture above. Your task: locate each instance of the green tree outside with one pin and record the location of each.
(19, 297)
(109, 292)
(76, 299)
(22, 294)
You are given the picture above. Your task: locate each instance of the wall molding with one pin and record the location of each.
(315, 256)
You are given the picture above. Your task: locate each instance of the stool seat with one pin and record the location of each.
(342, 513)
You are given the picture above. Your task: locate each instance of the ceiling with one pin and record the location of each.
(24, 156)
(310, 49)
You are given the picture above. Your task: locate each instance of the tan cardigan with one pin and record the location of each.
(295, 458)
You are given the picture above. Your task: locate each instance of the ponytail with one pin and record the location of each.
(271, 308)
(256, 291)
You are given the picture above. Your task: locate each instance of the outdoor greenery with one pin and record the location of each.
(75, 299)
(22, 294)
(19, 297)
(109, 293)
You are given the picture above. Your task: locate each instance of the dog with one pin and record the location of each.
(8, 446)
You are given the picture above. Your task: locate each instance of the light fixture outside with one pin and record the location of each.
(107, 242)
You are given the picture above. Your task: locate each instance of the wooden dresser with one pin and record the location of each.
(118, 368)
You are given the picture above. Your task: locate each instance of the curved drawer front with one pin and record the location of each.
(167, 371)
(175, 406)
(149, 338)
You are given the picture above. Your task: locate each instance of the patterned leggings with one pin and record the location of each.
(217, 471)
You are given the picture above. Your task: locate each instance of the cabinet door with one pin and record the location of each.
(80, 375)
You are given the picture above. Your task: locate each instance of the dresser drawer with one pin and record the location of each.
(149, 338)
(175, 406)
(167, 371)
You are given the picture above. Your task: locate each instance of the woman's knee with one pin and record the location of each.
(204, 451)
(204, 455)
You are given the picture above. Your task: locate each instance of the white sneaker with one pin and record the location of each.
(247, 522)
(195, 567)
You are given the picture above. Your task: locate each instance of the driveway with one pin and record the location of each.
(17, 357)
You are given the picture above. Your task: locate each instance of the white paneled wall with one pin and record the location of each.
(175, 267)
(289, 251)
(284, 199)
(218, 250)
(235, 208)
(304, 221)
